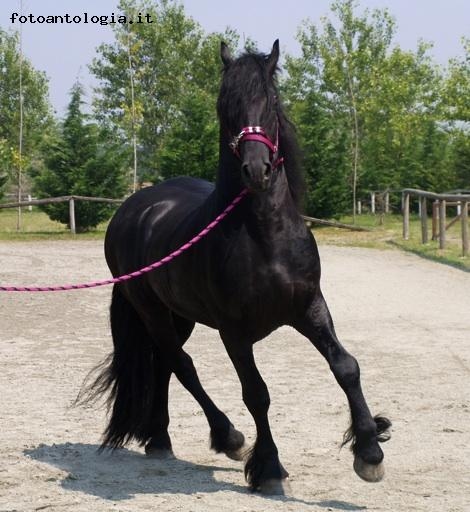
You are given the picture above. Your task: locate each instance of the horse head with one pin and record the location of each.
(249, 115)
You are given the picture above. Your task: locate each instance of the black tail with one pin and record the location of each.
(128, 375)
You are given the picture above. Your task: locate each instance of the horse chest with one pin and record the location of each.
(271, 284)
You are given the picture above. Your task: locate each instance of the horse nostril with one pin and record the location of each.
(245, 171)
(267, 171)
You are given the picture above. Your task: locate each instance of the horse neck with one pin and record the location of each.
(274, 210)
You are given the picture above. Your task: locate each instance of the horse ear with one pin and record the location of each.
(273, 57)
(225, 54)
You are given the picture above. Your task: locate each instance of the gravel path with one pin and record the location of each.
(406, 320)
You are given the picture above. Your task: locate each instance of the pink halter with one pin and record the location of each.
(256, 134)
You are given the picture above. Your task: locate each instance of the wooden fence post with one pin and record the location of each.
(464, 217)
(372, 202)
(406, 216)
(442, 224)
(72, 216)
(435, 217)
(387, 202)
(424, 220)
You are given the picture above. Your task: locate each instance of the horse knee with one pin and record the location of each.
(346, 370)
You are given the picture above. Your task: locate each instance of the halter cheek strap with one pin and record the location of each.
(257, 134)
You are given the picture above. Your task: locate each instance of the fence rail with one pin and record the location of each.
(441, 201)
(71, 200)
(333, 223)
(64, 199)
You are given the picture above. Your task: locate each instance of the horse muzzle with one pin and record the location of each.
(256, 173)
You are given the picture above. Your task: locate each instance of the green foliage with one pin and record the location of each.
(80, 160)
(37, 118)
(460, 159)
(162, 57)
(456, 93)
(190, 146)
(324, 147)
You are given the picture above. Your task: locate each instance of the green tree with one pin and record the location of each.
(456, 93)
(160, 53)
(378, 110)
(37, 118)
(460, 158)
(190, 146)
(81, 160)
(176, 68)
(456, 105)
(402, 143)
(324, 146)
(339, 64)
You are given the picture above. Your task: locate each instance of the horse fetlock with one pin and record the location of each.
(264, 471)
(275, 487)
(159, 447)
(370, 453)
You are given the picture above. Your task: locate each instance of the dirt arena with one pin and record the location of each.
(406, 320)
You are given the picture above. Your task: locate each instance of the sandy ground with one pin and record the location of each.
(406, 320)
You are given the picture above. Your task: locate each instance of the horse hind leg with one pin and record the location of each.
(224, 438)
(147, 350)
(158, 445)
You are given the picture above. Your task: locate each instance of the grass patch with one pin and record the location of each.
(36, 225)
(386, 233)
(451, 255)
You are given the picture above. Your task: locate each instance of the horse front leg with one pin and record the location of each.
(263, 470)
(365, 431)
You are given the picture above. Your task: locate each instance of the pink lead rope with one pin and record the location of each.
(137, 273)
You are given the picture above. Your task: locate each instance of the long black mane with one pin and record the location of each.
(248, 77)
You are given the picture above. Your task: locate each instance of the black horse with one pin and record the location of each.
(259, 269)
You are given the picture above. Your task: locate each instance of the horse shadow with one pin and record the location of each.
(121, 474)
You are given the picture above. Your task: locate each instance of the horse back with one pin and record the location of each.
(152, 214)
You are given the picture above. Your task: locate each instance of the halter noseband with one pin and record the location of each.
(257, 134)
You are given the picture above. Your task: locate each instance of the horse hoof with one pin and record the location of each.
(368, 472)
(159, 453)
(275, 487)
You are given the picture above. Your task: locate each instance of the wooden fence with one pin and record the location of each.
(379, 201)
(71, 200)
(65, 199)
(439, 222)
